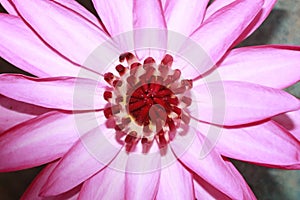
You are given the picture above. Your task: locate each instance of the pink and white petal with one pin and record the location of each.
(235, 103)
(271, 65)
(210, 167)
(290, 121)
(204, 190)
(150, 32)
(41, 140)
(142, 176)
(249, 194)
(120, 24)
(58, 93)
(75, 37)
(262, 15)
(74, 6)
(218, 33)
(264, 144)
(14, 112)
(183, 17)
(258, 20)
(175, 182)
(94, 151)
(21, 47)
(33, 190)
(8, 7)
(106, 184)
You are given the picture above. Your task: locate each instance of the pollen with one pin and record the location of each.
(146, 102)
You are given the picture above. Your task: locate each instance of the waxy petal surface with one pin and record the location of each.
(38, 141)
(175, 181)
(94, 151)
(150, 28)
(257, 21)
(235, 103)
(215, 38)
(33, 190)
(61, 92)
(264, 144)
(111, 178)
(21, 47)
(14, 112)
(139, 180)
(210, 167)
(272, 65)
(183, 17)
(291, 122)
(75, 37)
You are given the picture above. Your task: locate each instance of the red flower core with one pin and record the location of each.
(147, 101)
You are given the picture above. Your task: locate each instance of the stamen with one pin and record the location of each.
(144, 103)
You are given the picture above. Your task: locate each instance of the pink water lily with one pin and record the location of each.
(117, 118)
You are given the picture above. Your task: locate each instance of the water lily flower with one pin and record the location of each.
(149, 102)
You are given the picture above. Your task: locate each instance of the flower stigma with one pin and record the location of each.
(146, 102)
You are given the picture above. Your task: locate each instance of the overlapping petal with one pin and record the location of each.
(60, 93)
(75, 37)
(175, 181)
(139, 180)
(149, 29)
(234, 103)
(108, 179)
(33, 190)
(271, 65)
(47, 134)
(14, 112)
(264, 144)
(183, 17)
(257, 21)
(211, 168)
(223, 36)
(90, 154)
(21, 47)
(290, 121)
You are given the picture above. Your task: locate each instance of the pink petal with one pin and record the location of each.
(38, 141)
(272, 65)
(139, 180)
(218, 33)
(74, 6)
(183, 17)
(150, 28)
(234, 103)
(89, 155)
(204, 190)
(23, 48)
(60, 92)
(264, 144)
(120, 24)
(106, 184)
(258, 20)
(74, 37)
(122, 19)
(211, 168)
(291, 122)
(14, 112)
(8, 7)
(175, 182)
(33, 190)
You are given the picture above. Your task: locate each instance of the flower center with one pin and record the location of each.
(146, 102)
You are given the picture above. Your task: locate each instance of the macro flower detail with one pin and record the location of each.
(149, 101)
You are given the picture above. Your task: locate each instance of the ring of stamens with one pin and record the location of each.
(146, 102)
